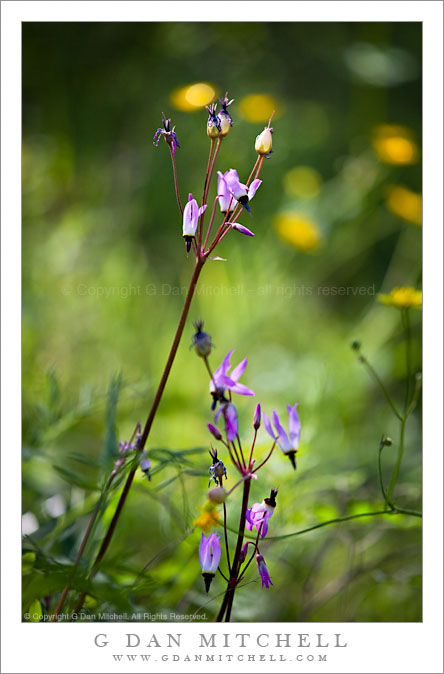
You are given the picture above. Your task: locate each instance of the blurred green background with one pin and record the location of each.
(104, 269)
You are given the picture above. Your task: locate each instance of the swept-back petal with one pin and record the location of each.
(294, 425)
(223, 367)
(284, 441)
(268, 426)
(242, 390)
(253, 188)
(237, 372)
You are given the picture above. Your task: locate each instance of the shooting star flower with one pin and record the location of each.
(259, 514)
(263, 572)
(288, 443)
(209, 557)
(222, 381)
(191, 214)
(241, 192)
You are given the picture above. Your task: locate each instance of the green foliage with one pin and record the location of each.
(104, 276)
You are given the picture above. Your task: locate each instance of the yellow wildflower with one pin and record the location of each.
(209, 517)
(297, 230)
(402, 298)
(395, 144)
(193, 96)
(257, 107)
(405, 203)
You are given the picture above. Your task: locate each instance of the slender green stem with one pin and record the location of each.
(408, 356)
(381, 480)
(408, 337)
(364, 361)
(337, 520)
(398, 461)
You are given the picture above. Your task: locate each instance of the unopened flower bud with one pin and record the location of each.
(243, 230)
(214, 127)
(224, 116)
(243, 554)
(264, 142)
(215, 431)
(385, 442)
(217, 495)
(257, 418)
(201, 340)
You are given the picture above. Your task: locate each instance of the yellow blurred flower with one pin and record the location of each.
(395, 144)
(257, 107)
(402, 298)
(209, 517)
(302, 182)
(297, 230)
(405, 203)
(193, 96)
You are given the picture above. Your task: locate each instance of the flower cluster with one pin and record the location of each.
(224, 383)
(233, 195)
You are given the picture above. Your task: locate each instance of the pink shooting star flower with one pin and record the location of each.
(209, 557)
(259, 514)
(191, 214)
(263, 572)
(288, 443)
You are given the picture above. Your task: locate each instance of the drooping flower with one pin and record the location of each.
(214, 127)
(264, 142)
(168, 134)
(201, 340)
(259, 514)
(402, 298)
(230, 416)
(226, 199)
(241, 192)
(217, 470)
(263, 572)
(288, 443)
(222, 381)
(257, 418)
(209, 557)
(225, 119)
(191, 214)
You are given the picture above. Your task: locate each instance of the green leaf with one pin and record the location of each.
(110, 446)
(35, 612)
(74, 478)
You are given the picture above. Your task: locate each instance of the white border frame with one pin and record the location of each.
(372, 647)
